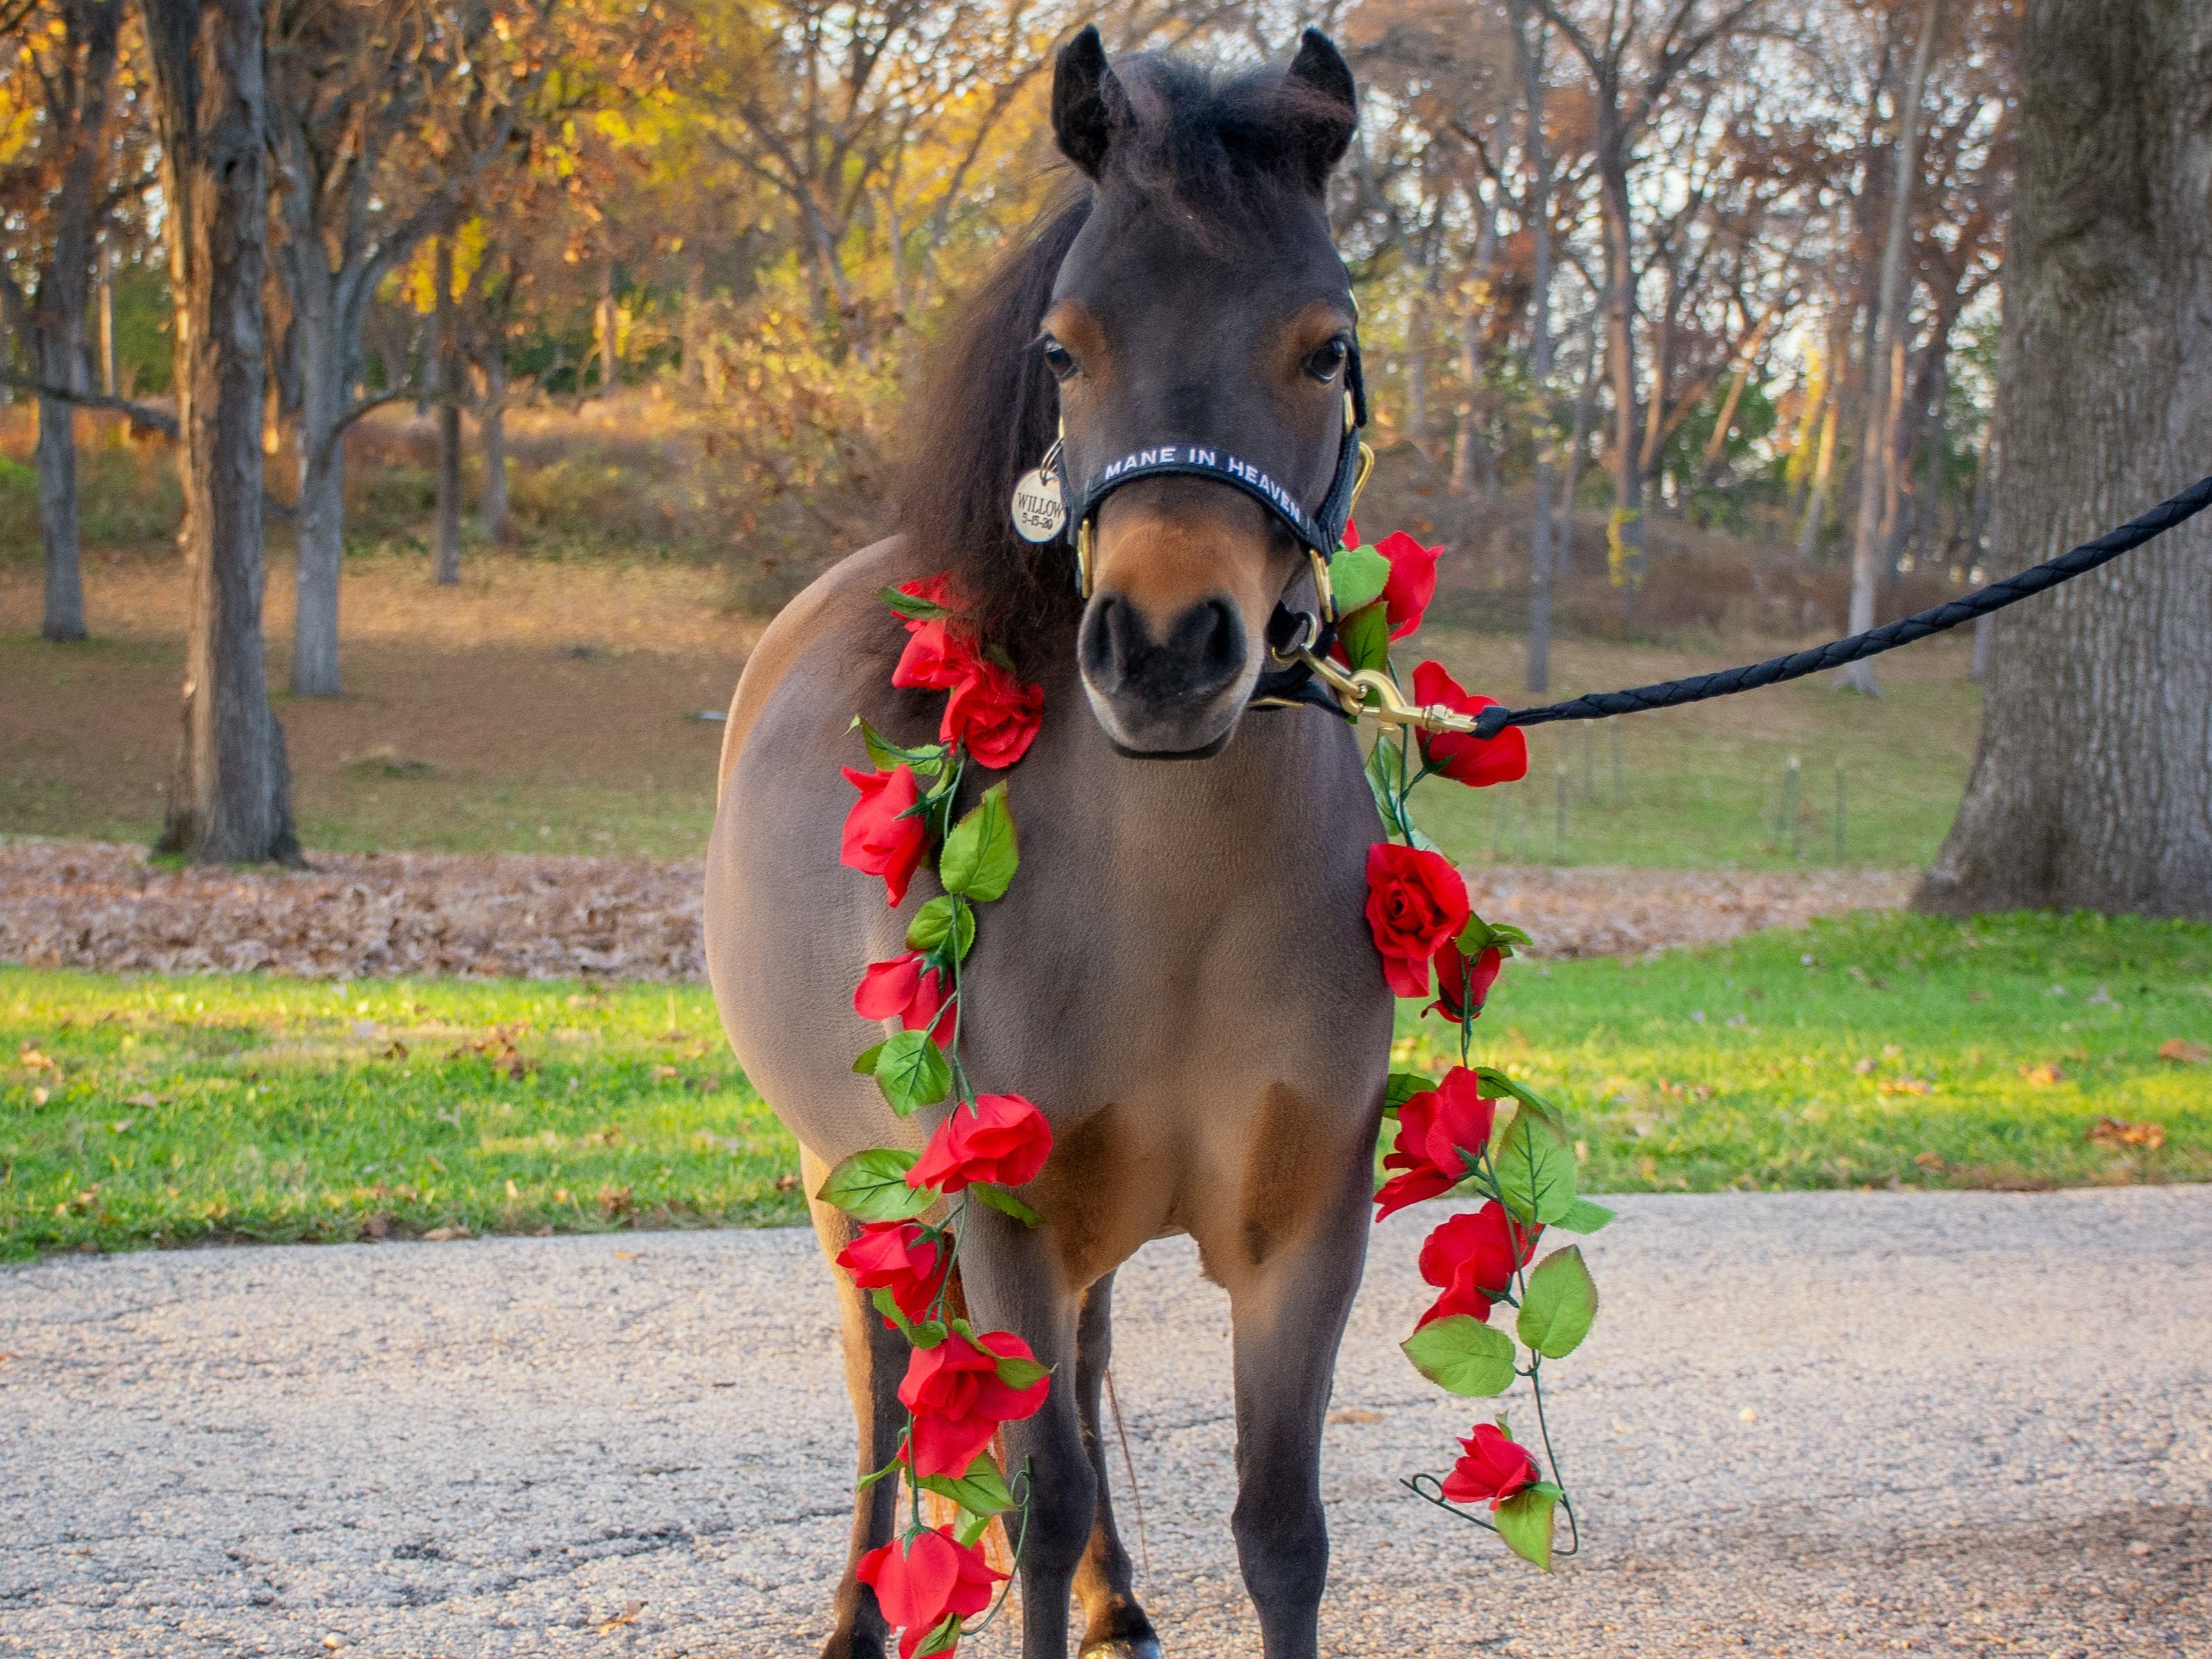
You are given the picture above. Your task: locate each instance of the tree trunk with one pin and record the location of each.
(1877, 456)
(231, 802)
(107, 320)
(325, 391)
(56, 318)
(1530, 60)
(694, 344)
(58, 514)
(1620, 348)
(447, 543)
(2092, 785)
(491, 506)
(608, 327)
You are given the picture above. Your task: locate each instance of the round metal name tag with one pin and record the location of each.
(1038, 512)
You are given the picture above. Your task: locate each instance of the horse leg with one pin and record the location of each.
(875, 1360)
(1288, 1314)
(1115, 1627)
(1014, 1284)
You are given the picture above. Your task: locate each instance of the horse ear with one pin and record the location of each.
(1322, 108)
(1087, 101)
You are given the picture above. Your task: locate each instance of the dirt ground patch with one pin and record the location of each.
(100, 906)
(553, 703)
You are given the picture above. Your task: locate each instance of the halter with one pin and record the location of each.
(1294, 637)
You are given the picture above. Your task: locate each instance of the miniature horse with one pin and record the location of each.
(1181, 976)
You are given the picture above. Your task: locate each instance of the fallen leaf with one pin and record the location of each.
(39, 1095)
(662, 1073)
(1864, 1067)
(1905, 1085)
(2044, 1075)
(1355, 1415)
(444, 1235)
(627, 1616)
(31, 1060)
(2117, 1132)
(2181, 1052)
(615, 1201)
(1930, 1161)
(148, 1099)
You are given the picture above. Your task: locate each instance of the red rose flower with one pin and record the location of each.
(1461, 757)
(1439, 1131)
(1412, 581)
(920, 1584)
(903, 990)
(993, 713)
(938, 656)
(1472, 1260)
(1415, 902)
(898, 1256)
(1495, 1466)
(1000, 1139)
(1462, 986)
(881, 839)
(958, 1400)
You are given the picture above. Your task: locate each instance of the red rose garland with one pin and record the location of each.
(1448, 1136)
(961, 1384)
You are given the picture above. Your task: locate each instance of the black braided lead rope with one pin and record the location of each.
(1670, 694)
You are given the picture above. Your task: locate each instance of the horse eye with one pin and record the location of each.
(1327, 358)
(1057, 358)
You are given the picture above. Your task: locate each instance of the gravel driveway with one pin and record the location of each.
(1809, 1424)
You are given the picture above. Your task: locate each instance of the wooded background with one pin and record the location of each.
(1717, 268)
(1729, 261)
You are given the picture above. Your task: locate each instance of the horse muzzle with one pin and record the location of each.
(1168, 687)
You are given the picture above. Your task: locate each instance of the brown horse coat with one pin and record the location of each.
(1180, 975)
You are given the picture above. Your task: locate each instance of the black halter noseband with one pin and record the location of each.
(1319, 532)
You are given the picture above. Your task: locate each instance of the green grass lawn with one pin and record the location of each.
(137, 1111)
(1706, 787)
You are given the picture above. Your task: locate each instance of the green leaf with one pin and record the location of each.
(1524, 1522)
(1019, 1373)
(1402, 1087)
(981, 855)
(911, 1071)
(1357, 575)
(1497, 1085)
(1462, 1355)
(971, 1528)
(927, 760)
(889, 1308)
(1381, 780)
(868, 1480)
(1005, 1203)
(932, 924)
(913, 609)
(944, 1637)
(1561, 1302)
(1479, 936)
(865, 1065)
(1366, 637)
(1583, 1216)
(871, 1185)
(981, 1491)
(1536, 1170)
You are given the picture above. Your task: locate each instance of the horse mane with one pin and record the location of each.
(1217, 153)
(987, 412)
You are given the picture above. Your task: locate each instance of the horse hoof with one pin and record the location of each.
(1123, 1647)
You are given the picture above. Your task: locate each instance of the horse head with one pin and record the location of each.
(1200, 330)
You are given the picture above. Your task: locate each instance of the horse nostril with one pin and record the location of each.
(1224, 641)
(1203, 652)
